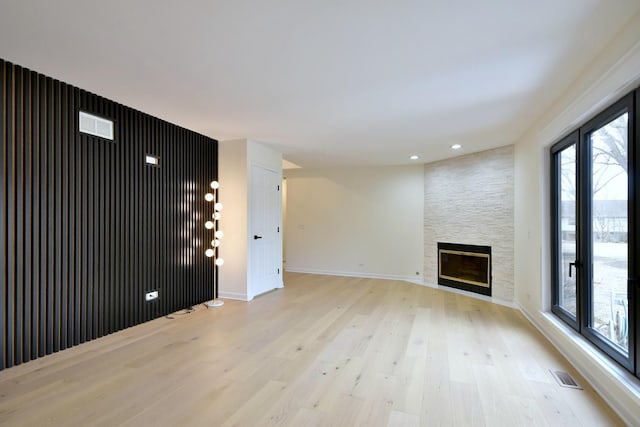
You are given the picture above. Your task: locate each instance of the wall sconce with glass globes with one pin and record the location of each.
(212, 251)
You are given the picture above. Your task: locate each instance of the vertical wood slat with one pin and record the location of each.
(111, 241)
(60, 284)
(3, 215)
(35, 218)
(51, 237)
(635, 213)
(145, 219)
(84, 233)
(70, 213)
(28, 217)
(11, 212)
(635, 313)
(43, 171)
(126, 260)
(62, 210)
(100, 226)
(92, 283)
(86, 228)
(138, 214)
(19, 216)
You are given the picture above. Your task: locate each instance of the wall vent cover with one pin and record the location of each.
(96, 126)
(565, 379)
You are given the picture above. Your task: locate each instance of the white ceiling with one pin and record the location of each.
(326, 82)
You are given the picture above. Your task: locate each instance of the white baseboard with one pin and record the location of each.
(233, 295)
(614, 384)
(354, 274)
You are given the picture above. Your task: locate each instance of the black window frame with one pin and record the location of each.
(556, 241)
(584, 251)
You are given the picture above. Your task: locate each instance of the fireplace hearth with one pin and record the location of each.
(466, 267)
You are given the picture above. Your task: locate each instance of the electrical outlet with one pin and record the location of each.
(151, 295)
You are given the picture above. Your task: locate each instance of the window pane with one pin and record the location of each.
(567, 253)
(609, 225)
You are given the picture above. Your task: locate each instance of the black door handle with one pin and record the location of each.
(575, 264)
(255, 237)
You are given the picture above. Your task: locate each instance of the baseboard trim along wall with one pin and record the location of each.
(615, 385)
(353, 274)
(234, 296)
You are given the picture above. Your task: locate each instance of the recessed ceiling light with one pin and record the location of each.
(414, 157)
(456, 146)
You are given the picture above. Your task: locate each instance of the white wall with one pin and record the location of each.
(232, 175)
(235, 158)
(284, 220)
(364, 221)
(612, 74)
(469, 200)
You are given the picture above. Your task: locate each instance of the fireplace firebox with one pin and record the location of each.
(466, 267)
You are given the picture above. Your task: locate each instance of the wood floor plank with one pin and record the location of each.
(401, 419)
(323, 351)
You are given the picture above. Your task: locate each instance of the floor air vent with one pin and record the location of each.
(565, 379)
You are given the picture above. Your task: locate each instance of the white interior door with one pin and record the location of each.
(265, 237)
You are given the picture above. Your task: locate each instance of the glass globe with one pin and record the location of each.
(208, 197)
(209, 253)
(219, 234)
(217, 216)
(215, 185)
(208, 225)
(219, 261)
(218, 206)
(215, 243)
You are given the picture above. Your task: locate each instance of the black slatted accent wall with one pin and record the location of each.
(86, 227)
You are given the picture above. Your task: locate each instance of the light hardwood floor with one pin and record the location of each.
(325, 351)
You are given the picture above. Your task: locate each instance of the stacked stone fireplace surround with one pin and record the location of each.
(469, 200)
